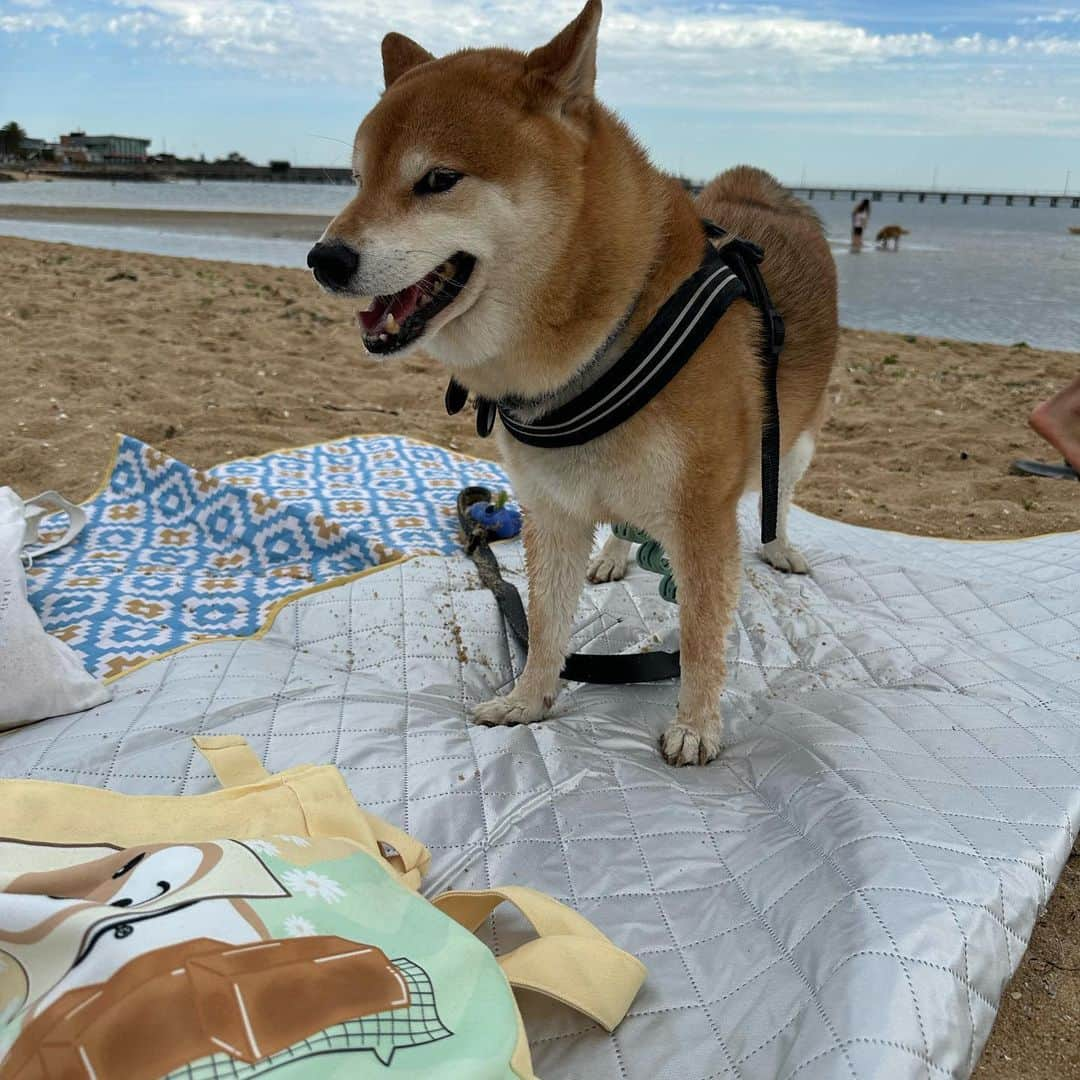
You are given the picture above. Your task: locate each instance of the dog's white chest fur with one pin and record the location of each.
(602, 481)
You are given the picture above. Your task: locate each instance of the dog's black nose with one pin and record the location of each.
(333, 262)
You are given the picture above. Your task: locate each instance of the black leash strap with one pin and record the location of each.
(611, 669)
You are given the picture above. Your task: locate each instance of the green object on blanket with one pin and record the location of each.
(650, 556)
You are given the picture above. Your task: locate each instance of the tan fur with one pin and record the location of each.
(571, 225)
(890, 232)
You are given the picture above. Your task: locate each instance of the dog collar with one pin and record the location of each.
(654, 358)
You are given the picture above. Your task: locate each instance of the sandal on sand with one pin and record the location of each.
(1048, 472)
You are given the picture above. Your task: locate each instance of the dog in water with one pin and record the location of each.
(509, 225)
(890, 232)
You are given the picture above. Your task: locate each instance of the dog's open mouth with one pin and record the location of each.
(392, 322)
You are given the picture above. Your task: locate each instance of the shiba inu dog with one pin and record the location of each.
(508, 224)
(890, 232)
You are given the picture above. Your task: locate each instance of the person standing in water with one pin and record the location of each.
(860, 218)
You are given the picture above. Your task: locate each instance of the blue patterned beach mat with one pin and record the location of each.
(173, 555)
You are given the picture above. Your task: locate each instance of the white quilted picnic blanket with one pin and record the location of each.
(843, 894)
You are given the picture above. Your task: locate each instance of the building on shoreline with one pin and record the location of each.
(105, 149)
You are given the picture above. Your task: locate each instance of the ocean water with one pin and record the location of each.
(978, 273)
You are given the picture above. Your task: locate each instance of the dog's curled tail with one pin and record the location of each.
(756, 187)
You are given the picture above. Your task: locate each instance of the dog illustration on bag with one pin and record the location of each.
(138, 962)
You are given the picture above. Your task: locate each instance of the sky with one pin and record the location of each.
(951, 93)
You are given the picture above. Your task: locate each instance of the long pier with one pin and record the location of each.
(284, 173)
(922, 195)
(973, 197)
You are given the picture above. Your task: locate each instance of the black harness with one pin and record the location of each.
(730, 268)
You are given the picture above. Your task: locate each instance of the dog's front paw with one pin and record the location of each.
(784, 557)
(607, 567)
(510, 710)
(685, 745)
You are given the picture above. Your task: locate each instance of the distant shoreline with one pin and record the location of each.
(272, 226)
(156, 173)
(47, 176)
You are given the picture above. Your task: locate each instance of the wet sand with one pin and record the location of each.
(205, 222)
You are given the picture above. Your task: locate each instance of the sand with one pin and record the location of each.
(215, 360)
(210, 361)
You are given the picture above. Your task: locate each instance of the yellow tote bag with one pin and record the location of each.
(272, 925)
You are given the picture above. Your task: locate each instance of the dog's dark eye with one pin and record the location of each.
(437, 180)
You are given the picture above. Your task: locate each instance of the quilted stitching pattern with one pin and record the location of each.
(844, 893)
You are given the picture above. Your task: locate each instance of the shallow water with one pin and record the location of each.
(979, 273)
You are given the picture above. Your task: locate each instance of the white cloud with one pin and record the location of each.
(1063, 15)
(295, 38)
(763, 59)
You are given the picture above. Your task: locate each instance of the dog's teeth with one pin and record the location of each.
(437, 286)
(391, 324)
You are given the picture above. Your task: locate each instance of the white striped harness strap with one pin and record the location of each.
(655, 357)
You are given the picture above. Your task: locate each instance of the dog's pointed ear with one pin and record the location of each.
(400, 54)
(564, 70)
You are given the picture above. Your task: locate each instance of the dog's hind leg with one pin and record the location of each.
(610, 563)
(556, 554)
(780, 553)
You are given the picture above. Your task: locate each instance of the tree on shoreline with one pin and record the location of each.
(11, 139)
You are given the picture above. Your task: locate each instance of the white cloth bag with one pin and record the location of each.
(40, 676)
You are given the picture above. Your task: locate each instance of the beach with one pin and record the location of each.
(210, 361)
(216, 360)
